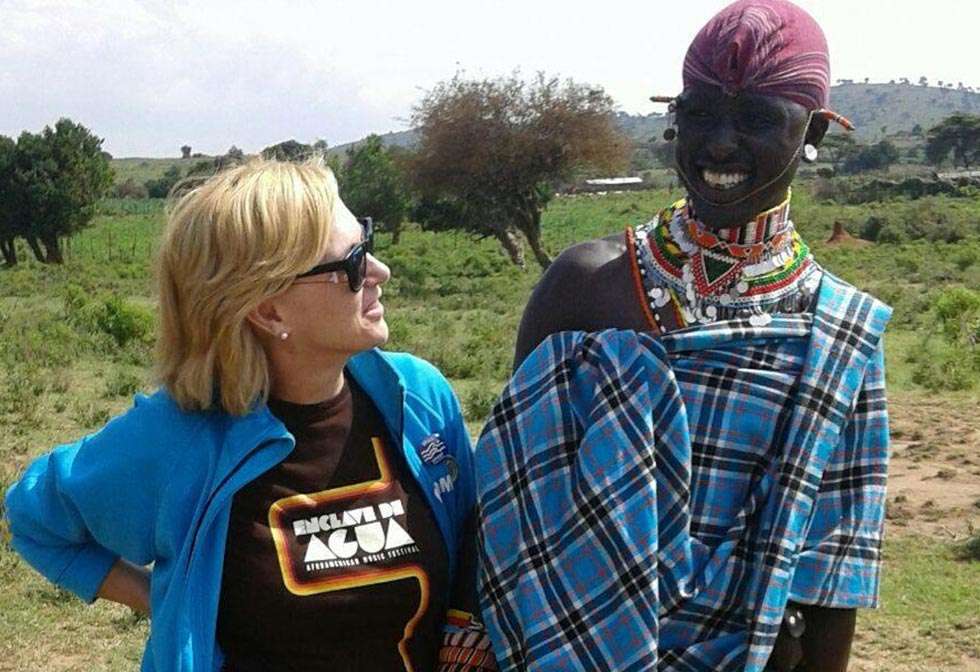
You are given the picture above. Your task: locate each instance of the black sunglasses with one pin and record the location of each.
(355, 263)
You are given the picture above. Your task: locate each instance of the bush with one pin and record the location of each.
(871, 229)
(129, 189)
(953, 363)
(477, 404)
(122, 383)
(123, 322)
(111, 316)
(160, 188)
(964, 259)
(958, 314)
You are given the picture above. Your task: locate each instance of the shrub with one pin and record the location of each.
(124, 322)
(964, 259)
(871, 229)
(129, 189)
(112, 316)
(478, 402)
(89, 414)
(969, 549)
(122, 383)
(953, 363)
(958, 314)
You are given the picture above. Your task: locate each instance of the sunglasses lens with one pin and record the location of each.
(357, 270)
(368, 225)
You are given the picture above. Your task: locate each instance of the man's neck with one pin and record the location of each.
(760, 228)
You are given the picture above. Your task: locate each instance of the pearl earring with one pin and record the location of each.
(809, 153)
(283, 336)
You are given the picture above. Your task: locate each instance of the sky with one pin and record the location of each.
(152, 75)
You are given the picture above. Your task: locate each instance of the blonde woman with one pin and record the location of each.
(303, 497)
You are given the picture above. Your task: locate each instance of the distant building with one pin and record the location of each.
(606, 184)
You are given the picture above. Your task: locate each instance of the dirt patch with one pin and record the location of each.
(934, 478)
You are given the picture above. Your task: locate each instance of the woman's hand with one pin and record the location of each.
(127, 584)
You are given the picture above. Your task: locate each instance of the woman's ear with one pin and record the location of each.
(816, 130)
(266, 320)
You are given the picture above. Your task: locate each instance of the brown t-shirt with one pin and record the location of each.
(334, 560)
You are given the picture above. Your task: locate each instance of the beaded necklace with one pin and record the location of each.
(702, 276)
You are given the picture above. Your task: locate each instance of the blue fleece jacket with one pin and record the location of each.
(155, 485)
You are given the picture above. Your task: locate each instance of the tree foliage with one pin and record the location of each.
(957, 135)
(492, 151)
(8, 215)
(878, 156)
(289, 150)
(161, 186)
(373, 185)
(50, 187)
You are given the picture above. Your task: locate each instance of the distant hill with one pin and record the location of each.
(876, 109)
(884, 109)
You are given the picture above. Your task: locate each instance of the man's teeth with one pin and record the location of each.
(723, 180)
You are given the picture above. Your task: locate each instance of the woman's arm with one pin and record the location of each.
(129, 585)
(77, 510)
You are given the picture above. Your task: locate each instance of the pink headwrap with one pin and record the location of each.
(770, 47)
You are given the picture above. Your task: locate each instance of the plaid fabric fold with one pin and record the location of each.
(652, 504)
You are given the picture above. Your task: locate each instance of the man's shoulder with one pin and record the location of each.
(590, 256)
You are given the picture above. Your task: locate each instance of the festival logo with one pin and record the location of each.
(344, 537)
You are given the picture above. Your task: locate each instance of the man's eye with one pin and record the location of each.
(697, 113)
(758, 120)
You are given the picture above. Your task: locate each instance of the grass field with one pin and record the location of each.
(76, 341)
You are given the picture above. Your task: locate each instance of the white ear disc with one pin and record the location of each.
(810, 153)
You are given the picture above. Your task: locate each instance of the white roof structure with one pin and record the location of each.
(614, 181)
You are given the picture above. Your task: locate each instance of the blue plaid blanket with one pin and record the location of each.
(652, 504)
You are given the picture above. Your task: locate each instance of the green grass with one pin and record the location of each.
(74, 346)
(928, 618)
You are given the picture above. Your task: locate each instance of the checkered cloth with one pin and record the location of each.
(653, 504)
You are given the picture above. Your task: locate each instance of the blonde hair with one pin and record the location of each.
(230, 243)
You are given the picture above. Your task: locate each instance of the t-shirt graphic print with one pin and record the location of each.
(348, 536)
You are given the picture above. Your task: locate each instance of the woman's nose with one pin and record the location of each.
(378, 271)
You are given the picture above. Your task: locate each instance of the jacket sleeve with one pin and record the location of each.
(78, 508)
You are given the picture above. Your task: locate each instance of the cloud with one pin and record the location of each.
(147, 76)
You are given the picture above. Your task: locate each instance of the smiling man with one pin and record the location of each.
(733, 425)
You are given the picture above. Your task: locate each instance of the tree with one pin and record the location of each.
(161, 186)
(878, 156)
(491, 152)
(59, 175)
(958, 135)
(185, 152)
(8, 231)
(290, 150)
(923, 81)
(373, 185)
(837, 147)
